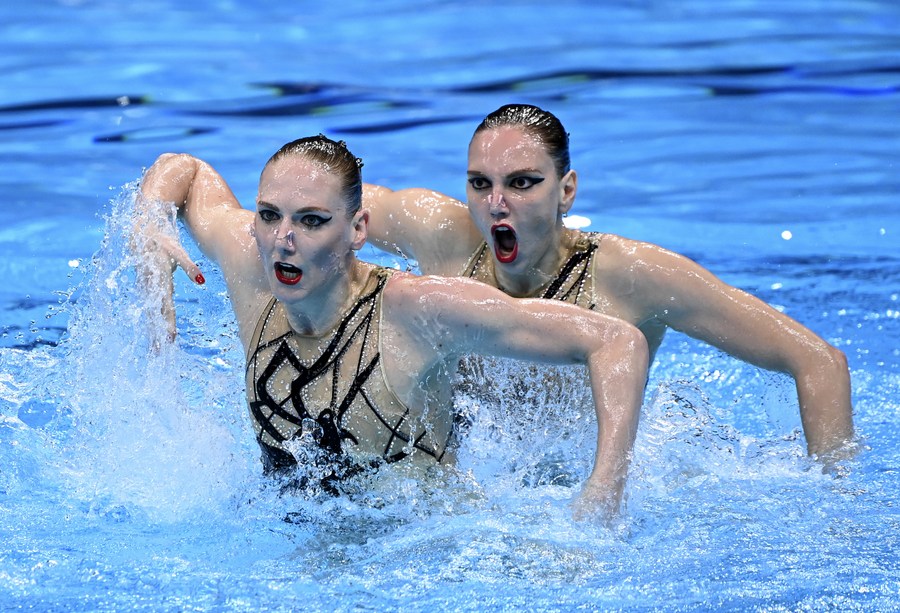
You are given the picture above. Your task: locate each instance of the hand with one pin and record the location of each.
(159, 252)
(835, 462)
(178, 256)
(597, 502)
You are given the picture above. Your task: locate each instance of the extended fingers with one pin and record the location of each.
(188, 266)
(181, 258)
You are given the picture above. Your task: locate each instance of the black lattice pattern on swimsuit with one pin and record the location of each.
(330, 435)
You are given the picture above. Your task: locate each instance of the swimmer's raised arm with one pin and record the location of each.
(205, 202)
(458, 316)
(215, 219)
(427, 226)
(685, 296)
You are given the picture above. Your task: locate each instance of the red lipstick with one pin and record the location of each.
(287, 274)
(506, 244)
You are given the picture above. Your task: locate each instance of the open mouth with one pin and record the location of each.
(506, 245)
(287, 274)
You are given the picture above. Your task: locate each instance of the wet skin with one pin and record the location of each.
(516, 201)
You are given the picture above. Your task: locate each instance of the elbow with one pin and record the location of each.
(630, 344)
(173, 159)
(641, 348)
(838, 358)
(827, 361)
(841, 369)
(371, 190)
(169, 168)
(166, 157)
(170, 179)
(374, 196)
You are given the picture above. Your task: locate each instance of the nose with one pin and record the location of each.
(285, 234)
(497, 204)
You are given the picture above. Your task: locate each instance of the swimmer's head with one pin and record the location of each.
(537, 122)
(335, 158)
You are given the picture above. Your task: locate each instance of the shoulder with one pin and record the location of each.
(406, 284)
(618, 252)
(403, 289)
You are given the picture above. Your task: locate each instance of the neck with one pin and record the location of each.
(317, 314)
(531, 281)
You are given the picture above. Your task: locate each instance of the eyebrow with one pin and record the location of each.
(306, 209)
(518, 171)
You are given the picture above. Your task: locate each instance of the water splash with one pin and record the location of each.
(126, 431)
(117, 435)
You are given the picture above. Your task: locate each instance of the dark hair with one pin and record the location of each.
(536, 121)
(336, 158)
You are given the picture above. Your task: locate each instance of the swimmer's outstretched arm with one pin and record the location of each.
(689, 298)
(453, 317)
(216, 221)
(423, 225)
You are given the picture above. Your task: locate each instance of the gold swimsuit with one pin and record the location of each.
(329, 389)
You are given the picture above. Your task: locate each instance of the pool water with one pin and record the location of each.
(758, 138)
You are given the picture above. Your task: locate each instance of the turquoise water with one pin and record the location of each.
(758, 138)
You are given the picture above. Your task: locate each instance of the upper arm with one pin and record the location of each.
(422, 224)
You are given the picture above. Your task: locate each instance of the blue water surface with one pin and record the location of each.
(759, 138)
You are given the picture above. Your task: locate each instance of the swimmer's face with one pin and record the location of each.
(515, 197)
(303, 234)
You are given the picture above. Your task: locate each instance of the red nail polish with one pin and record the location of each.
(199, 278)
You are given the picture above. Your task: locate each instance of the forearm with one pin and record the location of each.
(823, 390)
(618, 376)
(754, 332)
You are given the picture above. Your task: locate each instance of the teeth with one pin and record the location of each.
(287, 270)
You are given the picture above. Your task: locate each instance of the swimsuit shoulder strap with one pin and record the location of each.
(575, 281)
(474, 263)
(267, 313)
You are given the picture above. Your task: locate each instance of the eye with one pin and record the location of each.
(268, 215)
(314, 221)
(479, 183)
(524, 182)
